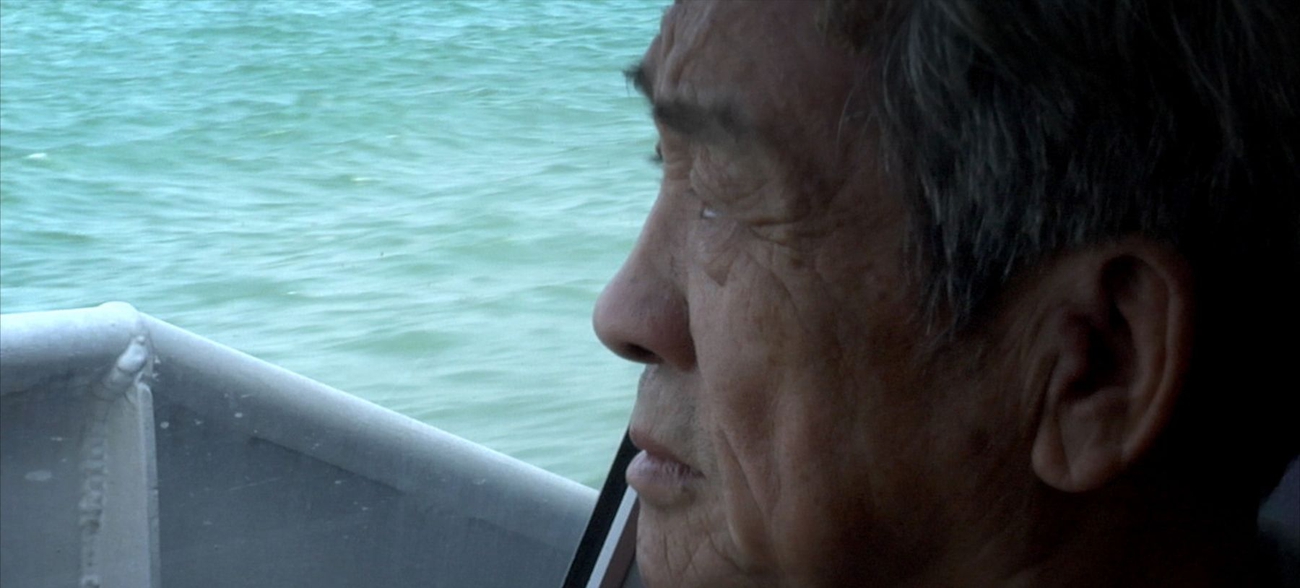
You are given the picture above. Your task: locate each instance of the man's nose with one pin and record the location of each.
(642, 315)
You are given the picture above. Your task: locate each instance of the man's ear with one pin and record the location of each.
(1116, 341)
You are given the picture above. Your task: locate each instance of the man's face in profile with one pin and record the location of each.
(795, 429)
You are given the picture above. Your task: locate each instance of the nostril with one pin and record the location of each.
(639, 354)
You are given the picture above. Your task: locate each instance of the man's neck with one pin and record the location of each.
(1151, 552)
(1114, 543)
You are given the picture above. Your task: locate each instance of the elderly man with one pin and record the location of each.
(959, 293)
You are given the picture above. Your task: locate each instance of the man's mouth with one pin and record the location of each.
(659, 477)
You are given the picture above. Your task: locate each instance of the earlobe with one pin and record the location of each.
(1118, 343)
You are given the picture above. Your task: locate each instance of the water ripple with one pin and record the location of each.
(416, 202)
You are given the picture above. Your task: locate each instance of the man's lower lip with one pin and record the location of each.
(660, 481)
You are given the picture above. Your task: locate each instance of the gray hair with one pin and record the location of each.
(1019, 129)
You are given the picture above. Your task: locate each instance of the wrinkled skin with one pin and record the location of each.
(767, 295)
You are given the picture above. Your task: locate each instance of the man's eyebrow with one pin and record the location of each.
(705, 122)
(639, 77)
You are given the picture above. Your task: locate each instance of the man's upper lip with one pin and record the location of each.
(652, 446)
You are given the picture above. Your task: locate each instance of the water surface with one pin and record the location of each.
(415, 202)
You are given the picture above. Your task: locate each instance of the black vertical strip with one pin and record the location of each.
(593, 539)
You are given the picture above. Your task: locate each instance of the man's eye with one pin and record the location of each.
(658, 157)
(707, 212)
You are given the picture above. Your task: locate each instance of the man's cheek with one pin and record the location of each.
(718, 249)
(746, 484)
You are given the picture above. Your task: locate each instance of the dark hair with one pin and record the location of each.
(1022, 128)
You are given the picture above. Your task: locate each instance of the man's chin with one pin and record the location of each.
(654, 539)
(665, 554)
(688, 546)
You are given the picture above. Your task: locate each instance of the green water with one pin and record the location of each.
(416, 202)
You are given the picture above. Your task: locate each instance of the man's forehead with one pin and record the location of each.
(760, 67)
(721, 30)
(691, 54)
